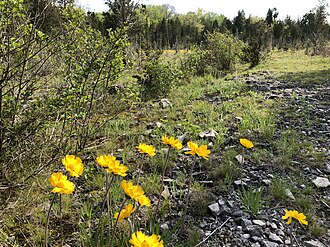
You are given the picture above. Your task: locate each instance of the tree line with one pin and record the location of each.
(161, 27)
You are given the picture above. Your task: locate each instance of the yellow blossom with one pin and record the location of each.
(73, 165)
(61, 184)
(143, 200)
(135, 192)
(174, 143)
(146, 149)
(125, 213)
(138, 239)
(117, 168)
(201, 151)
(289, 214)
(246, 143)
(105, 160)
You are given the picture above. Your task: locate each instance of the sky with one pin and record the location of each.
(294, 8)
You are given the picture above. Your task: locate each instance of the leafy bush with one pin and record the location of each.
(219, 54)
(158, 76)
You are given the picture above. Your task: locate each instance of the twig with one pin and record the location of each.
(213, 232)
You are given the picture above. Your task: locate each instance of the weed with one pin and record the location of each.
(251, 200)
(278, 187)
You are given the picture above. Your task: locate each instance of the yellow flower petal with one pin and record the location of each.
(246, 143)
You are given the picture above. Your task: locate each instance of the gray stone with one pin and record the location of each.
(259, 222)
(208, 133)
(313, 243)
(240, 158)
(246, 236)
(164, 226)
(215, 209)
(327, 168)
(255, 245)
(273, 225)
(273, 237)
(245, 222)
(321, 182)
(238, 213)
(165, 103)
(266, 243)
(280, 232)
(224, 209)
(266, 181)
(253, 230)
(222, 201)
(239, 183)
(289, 194)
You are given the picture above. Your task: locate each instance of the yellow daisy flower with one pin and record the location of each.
(146, 149)
(174, 143)
(73, 165)
(61, 184)
(289, 214)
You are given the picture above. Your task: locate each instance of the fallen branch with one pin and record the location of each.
(213, 232)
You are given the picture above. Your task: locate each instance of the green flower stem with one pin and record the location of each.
(162, 186)
(115, 227)
(140, 166)
(187, 197)
(47, 221)
(108, 186)
(133, 218)
(61, 223)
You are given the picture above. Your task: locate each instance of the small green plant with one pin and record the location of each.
(251, 200)
(278, 187)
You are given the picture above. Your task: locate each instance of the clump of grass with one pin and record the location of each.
(199, 202)
(287, 147)
(278, 187)
(228, 167)
(251, 200)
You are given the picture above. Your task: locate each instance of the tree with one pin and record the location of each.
(121, 13)
(314, 26)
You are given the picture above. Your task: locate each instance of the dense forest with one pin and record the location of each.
(72, 82)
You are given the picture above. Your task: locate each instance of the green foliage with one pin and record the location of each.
(158, 77)
(258, 40)
(278, 187)
(218, 55)
(251, 200)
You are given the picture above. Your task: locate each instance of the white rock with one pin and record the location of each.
(215, 209)
(289, 194)
(321, 182)
(313, 243)
(275, 238)
(259, 222)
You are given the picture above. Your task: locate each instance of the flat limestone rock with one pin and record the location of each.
(321, 182)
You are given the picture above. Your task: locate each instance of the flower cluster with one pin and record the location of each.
(61, 184)
(135, 192)
(246, 143)
(289, 214)
(201, 151)
(112, 165)
(125, 213)
(174, 143)
(146, 149)
(138, 239)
